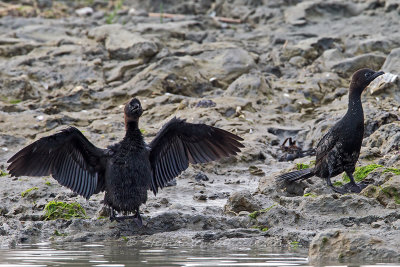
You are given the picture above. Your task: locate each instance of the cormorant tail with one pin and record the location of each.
(296, 175)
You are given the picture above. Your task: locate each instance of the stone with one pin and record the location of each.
(392, 62)
(241, 201)
(249, 85)
(84, 11)
(347, 67)
(386, 138)
(334, 245)
(123, 44)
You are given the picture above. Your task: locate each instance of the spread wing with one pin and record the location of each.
(180, 143)
(68, 156)
(326, 144)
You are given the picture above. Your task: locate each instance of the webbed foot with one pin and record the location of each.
(354, 188)
(340, 190)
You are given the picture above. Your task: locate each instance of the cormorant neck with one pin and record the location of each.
(132, 128)
(355, 106)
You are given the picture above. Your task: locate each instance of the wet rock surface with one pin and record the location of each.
(282, 71)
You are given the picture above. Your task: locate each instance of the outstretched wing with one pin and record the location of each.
(180, 143)
(68, 156)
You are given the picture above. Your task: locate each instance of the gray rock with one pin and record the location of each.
(392, 62)
(353, 246)
(348, 66)
(386, 138)
(241, 201)
(123, 44)
(250, 85)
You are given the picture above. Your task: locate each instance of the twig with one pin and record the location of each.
(171, 16)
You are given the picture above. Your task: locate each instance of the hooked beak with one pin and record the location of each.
(376, 74)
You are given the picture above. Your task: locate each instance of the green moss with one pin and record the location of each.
(47, 183)
(124, 238)
(57, 233)
(392, 192)
(256, 213)
(101, 218)
(338, 183)
(143, 131)
(62, 210)
(261, 228)
(3, 173)
(392, 170)
(26, 192)
(294, 244)
(324, 240)
(361, 172)
(112, 16)
(15, 101)
(301, 166)
(309, 195)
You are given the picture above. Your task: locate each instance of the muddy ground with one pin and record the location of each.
(266, 70)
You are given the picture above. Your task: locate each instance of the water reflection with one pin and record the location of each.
(118, 254)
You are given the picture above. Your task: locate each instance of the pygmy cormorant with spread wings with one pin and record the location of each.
(125, 170)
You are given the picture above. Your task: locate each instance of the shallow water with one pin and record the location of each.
(118, 254)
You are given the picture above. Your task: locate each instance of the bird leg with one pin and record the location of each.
(334, 188)
(113, 216)
(136, 218)
(352, 186)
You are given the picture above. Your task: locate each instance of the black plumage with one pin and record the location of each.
(128, 169)
(339, 149)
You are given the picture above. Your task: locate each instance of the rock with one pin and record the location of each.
(249, 85)
(84, 11)
(201, 177)
(353, 246)
(347, 67)
(225, 64)
(241, 201)
(17, 89)
(386, 138)
(123, 44)
(307, 11)
(392, 62)
(309, 49)
(377, 44)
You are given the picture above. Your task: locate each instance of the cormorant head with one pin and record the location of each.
(133, 110)
(362, 78)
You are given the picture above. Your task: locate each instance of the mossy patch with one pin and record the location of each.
(256, 213)
(361, 172)
(3, 173)
(309, 195)
(302, 166)
(392, 170)
(294, 244)
(261, 228)
(62, 210)
(338, 183)
(57, 233)
(26, 192)
(392, 192)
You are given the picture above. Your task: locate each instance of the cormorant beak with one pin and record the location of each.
(376, 74)
(135, 106)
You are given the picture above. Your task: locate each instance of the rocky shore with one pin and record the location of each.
(265, 70)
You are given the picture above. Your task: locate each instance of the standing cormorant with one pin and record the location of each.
(125, 170)
(339, 149)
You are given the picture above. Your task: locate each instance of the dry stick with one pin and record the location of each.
(169, 15)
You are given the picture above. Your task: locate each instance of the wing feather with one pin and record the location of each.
(67, 155)
(180, 143)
